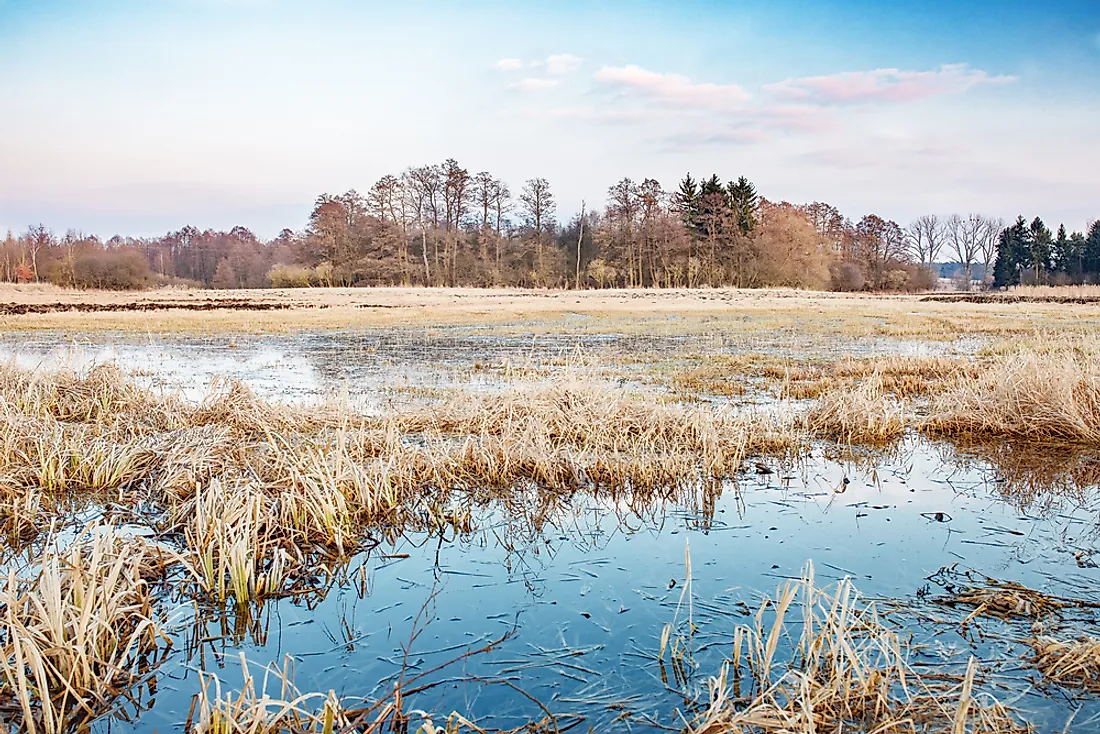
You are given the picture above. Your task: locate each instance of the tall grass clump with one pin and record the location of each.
(78, 630)
(262, 710)
(1052, 397)
(862, 415)
(816, 659)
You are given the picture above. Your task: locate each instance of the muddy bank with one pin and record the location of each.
(234, 304)
(1010, 298)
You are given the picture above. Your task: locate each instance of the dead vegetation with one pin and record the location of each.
(981, 595)
(821, 659)
(863, 415)
(1069, 663)
(1051, 397)
(78, 630)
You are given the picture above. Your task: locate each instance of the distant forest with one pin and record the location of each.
(439, 225)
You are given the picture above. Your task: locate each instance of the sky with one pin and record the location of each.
(137, 117)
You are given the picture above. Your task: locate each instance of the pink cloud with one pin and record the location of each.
(670, 89)
(796, 118)
(883, 85)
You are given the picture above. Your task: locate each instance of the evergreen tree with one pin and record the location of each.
(1013, 254)
(1091, 251)
(713, 186)
(744, 201)
(1060, 256)
(1041, 245)
(686, 199)
(1075, 255)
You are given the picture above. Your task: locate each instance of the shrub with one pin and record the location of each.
(846, 277)
(289, 276)
(114, 270)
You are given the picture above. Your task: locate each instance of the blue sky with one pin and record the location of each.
(139, 117)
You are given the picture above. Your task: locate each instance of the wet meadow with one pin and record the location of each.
(705, 512)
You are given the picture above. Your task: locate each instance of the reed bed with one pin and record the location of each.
(896, 375)
(256, 491)
(821, 659)
(79, 630)
(1050, 398)
(1069, 663)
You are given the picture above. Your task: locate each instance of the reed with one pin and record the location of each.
(80, 630)
(1050, 398)
(863, 415)
(1069, 663)
(255, 710)
(821, 659)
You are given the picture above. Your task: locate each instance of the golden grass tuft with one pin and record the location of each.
(862, 415)
(79, 630)
(1070, 663)
(255, 710)
(817, 659)
(1052, 398)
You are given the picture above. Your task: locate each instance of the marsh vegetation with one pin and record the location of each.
(437, 528)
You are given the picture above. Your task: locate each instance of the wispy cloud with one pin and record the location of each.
(719, 136)
(883, 85)
(553, 65)
(670, 89)
(560, 64)
(534, 84)
(614, 116)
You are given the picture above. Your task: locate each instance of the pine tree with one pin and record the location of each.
(1013, 254)
(1091, 254)
(1040, 249)
(745, 201)
(687, 201)
(1060, 256)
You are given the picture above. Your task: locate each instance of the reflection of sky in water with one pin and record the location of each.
(592, 592)
(589, 585)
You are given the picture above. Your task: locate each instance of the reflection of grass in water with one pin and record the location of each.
(1030, 475)
(257, 493)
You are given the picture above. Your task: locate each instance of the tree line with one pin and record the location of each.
(440, 225)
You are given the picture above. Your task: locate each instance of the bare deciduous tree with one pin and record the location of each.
(538, 206)
(925, 237)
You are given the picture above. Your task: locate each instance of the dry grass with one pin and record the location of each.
(1055, 290)
(734, 313)
(1052, 397)
(79, 630)
(255, 710)
(863, 415)
(1072, 663)
(258, 491)
(1004, 600)
(821, 659)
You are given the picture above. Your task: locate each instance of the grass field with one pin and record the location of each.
(623, 311)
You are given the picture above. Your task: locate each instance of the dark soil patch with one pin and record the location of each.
(1010, 298)
(20, 309)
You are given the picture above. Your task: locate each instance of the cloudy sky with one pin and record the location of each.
(135, 117)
